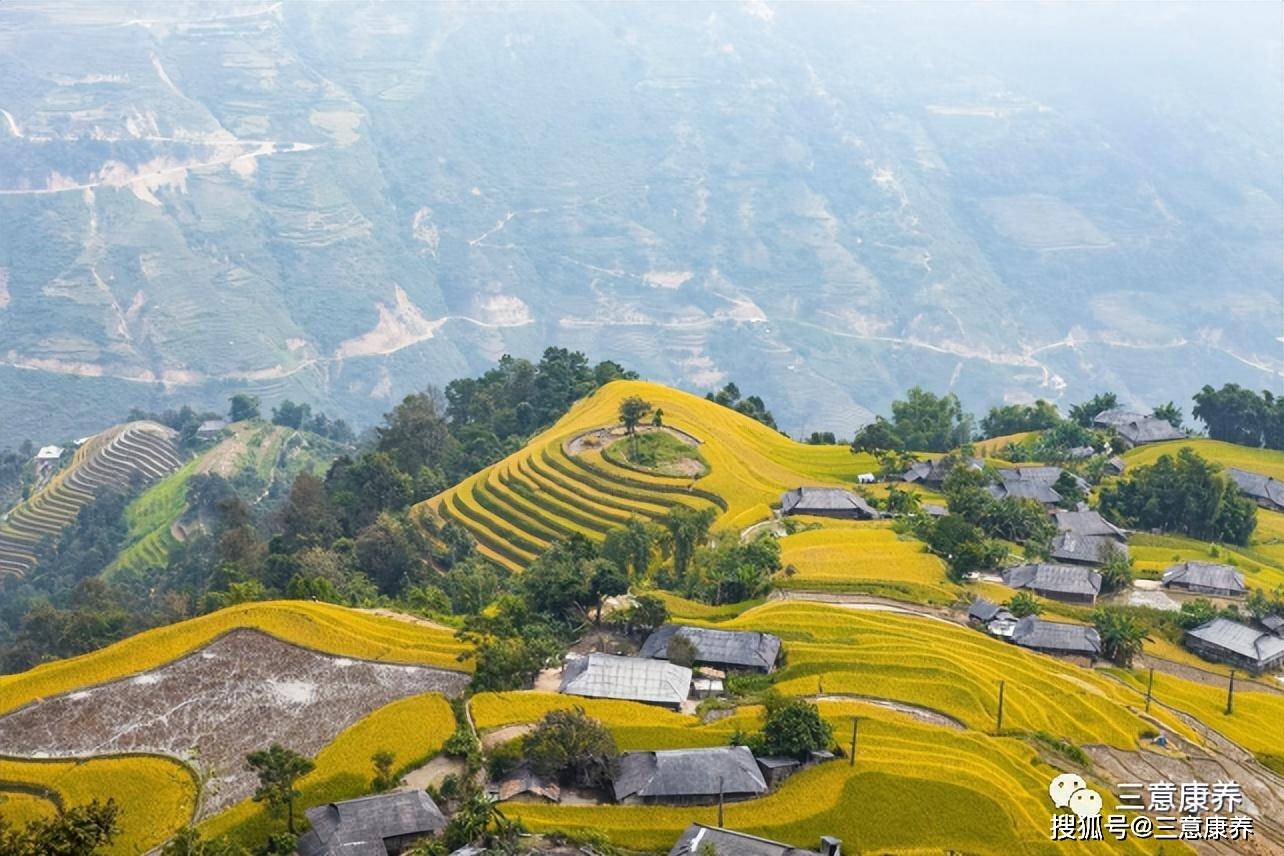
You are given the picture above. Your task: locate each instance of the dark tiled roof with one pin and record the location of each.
(1084, 549)
(1032, 632)
(750, 649)
(1205, 575)
(1063, 579)
(937, 469)
(1117, 464)
(725, 842)
(1087, 523)
(629, 678)
(358, 827)
(1018, 489)
(982, 609)
(677, 773)
(1239, 639)
(1259, 487)
(524, 780)
(802, 500)
(1274, 624)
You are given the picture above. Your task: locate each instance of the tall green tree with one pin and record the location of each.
(930, 423)
(83, 830)
(1084, 412)
(1122, 635)
(279, 769)
(242, 407)
(687, 528)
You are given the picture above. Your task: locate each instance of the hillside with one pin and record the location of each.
(562, 482)
(119, 458)
(259, 459)
(836, 201)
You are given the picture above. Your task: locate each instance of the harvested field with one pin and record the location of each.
(212, 707)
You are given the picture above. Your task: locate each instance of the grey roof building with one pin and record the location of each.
(1116, 465)
(688, 776)
(1238, 644)
(726, 842)
(1274, 624)
(1088, 523)
(1264, 490)
(1137, 428)
(1019, 489)
(382, 825)
(1074, 549)
(1051, 637)
(525, 785)
(724, 649)
(210, 427)
(628, 678)
(995, 618)
(827, 502)
(1059, 582)
(1205, 578)
(932, 473)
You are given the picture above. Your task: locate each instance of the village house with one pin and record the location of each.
(48, 456)
(688, 776)
(932, 473)
(1087, 523)
(1137, 429)
(729, 650)
(996, 619)
(1115, 466)
(382, 825)
(698, 838)
(1205, 578)
(1068, 583)
(827, 502)
(1072, 548)
(211, 428)
(1227, 641)
(1264, 490)
(526, 786)
(627, 678)
(1062, 640)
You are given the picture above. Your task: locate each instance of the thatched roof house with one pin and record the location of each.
(1051, 637)
(722, 649)
(827, 502)
(688, 776)
(1264, 490)
(1206, 578)
(371, 826)
(1059, 582)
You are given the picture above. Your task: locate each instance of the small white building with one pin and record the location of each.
(49, 453)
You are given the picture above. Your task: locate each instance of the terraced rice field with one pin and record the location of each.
(948, 668)
(1256, 722)
(1265, 461)
(413, 729)
(112, 459)
(156, 795)
(914, 788)
(518, 506)
(319, 626)
(150, 518)
(864, 559)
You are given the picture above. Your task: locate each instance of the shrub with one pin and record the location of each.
(573, 748)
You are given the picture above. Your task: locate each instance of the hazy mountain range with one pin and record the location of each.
(340, 203)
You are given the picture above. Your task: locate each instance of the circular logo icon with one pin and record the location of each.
(1063, 787)
(1085, 802)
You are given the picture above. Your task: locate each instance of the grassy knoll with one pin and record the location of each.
(945, 667)
(658, 451)
(321, 626)
(157, 795)
(915, 788)
(515, 507)
(1256, 723)
(862, 559)
(1265, 461)
(413, 729)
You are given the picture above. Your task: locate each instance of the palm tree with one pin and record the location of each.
(1122, 636)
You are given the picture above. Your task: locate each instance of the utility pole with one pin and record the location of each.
(999, 726)
(851, 759)
(1150, 687)
(1230, 694)
(720, 802)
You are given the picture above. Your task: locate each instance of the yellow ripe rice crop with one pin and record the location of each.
(1268, 462)
(320, 626)
(634, 725)
(914, 788)
(542, 492)
(1256, 721)
(948, 668)
(683, 608)
(156, 795)
(20, 808)
(874, 560)
(413, 729)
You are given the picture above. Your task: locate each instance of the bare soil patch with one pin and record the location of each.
(491, 739)
(434, 772)
(241, 692)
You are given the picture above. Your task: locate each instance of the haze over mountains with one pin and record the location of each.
(340, 203)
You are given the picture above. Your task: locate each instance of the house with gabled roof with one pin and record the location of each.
(381, 825)
(827, 502)
(688, 776)
(1264, 490)
(995, 618)
(1205, 578)
(729, 650)
(627, 678)
(1069, 583)
(1087, 523)
(932, 473)
(1051, 637)
(1070, 548)
(1238, 644)
(698, 838)
(1137, 429)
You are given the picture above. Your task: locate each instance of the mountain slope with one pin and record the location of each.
(339, 204)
